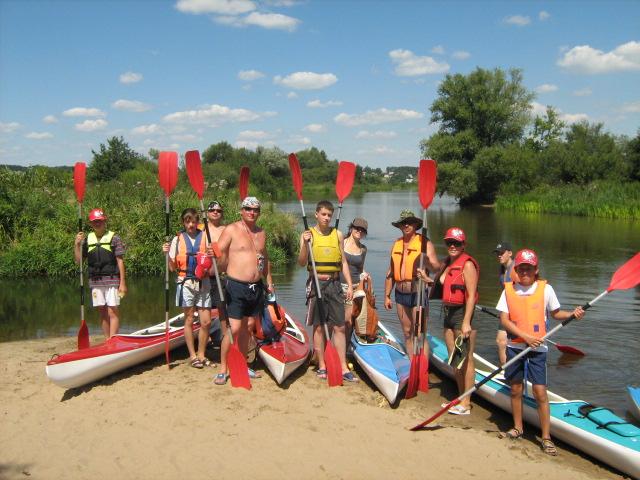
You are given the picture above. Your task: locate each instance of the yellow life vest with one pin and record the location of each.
(326, 252)
(527, 311)
(404, 265)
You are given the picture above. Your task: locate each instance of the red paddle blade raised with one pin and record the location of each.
(345, 179)
(168, 171)
(296, 174)
(238, 369)
(243, 183)
(627, 276)
(194, 172)
(427, 182)
(79, 174)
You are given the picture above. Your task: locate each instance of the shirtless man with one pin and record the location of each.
(244, 258)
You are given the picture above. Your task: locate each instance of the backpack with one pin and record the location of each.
(364, 314)
(272, 324)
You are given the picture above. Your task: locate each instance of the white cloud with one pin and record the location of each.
(378, 150)
(542, 16)
(83, 112)
(539, 110)
(460, 55)
(376, 134)
(91, 125)
(38, 135)
(248, 144)
(374, 117)
(318, 104)
(249, 75)
(438, 50)
(9, 127)
(631, 107)
(574, 117)
(518, 20)
(314, 128)
(151, 129)
(131, 105)
(221, 7)
(546, 88)
(299, 140)
(130, 77)
(50, 119)
(271, 21)
(583, 92)
(253, 135)
(588, 60)
(409, 64)
(213, 115)
(292, 95)
(187, 137)
(306, 80)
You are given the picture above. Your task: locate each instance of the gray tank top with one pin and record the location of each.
(356, 265)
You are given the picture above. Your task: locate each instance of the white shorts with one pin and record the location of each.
(192, 293)
(102, 296)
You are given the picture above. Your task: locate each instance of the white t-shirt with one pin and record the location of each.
(551, 304)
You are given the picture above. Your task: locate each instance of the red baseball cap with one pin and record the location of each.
(527, 256)
(97, 214)
(455, 233)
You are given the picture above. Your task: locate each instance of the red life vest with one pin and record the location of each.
(404, 265)
(454, 291)
(527, 311)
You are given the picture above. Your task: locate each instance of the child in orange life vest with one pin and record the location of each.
(524, 307)
(188, 257)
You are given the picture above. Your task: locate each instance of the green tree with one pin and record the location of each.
(633, 156)
(219, 152)
(545, 130)
(113, 159)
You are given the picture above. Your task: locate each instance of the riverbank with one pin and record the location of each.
(155, 423)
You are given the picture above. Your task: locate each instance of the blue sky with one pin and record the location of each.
(354, 78)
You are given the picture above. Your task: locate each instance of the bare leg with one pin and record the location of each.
(339, 341)
(406, 316)
(114, 321)
(348, 323)
(540, 393)
(467, 373)
(501, 341)
(104, 320)
(516, 405)
(188, 331)
(204, 314)
(318, 345)
(224, 348)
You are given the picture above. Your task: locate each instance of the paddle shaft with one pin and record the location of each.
(524, 352)
(166, 275)
(338, 216)
(419, 327)
(80, 267)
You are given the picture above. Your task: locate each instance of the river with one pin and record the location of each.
(578, 256)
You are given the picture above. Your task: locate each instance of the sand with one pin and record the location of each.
(151, 422)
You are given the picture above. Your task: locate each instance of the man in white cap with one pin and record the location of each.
(243, 247)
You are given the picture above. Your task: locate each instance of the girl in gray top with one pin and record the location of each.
(355, 253)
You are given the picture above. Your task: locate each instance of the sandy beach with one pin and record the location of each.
(151, 422)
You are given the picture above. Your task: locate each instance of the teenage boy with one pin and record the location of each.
(506, 273)
(525, 306)
(104, 251)
(328, 254)
(186, 251)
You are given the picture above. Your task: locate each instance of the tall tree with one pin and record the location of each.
(113, 159)
(546, 129)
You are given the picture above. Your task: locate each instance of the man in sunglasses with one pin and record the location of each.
(243, 248)
(215, 214)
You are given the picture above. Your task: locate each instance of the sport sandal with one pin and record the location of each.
(513, 434)
(548, 447)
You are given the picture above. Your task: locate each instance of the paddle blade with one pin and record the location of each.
(296, 174)
(570, 350)
(444, 409)
(243, 183)
(238, 368)
(414, 380)
(426, 182)
(168, 171)
(627, 276)
(334, 370)
(345, 179)
(83, 336)
(194, 172)
(79, 174)
(423, 372)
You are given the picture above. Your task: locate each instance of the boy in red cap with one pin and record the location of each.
(525, 306)
(104, 251)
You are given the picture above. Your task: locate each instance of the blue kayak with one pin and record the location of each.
(594, 430)
(384, 361)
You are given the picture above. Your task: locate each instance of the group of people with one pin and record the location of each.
(213, 260)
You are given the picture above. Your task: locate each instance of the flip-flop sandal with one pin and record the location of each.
(513, 434)
(220, 379)
(253, 373)
(208, 363)
(349, 377)
(321, 373)
(197, 363)
(548, 447)
(459, 410)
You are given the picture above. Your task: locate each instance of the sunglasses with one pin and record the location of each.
(453, 243)
(251, 209)
(360, 229)
(219, 210)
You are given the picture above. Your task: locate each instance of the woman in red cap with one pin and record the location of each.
(526, 324)
(459, 280)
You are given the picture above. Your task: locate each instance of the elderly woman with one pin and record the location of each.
(403, 272)
(459, 281)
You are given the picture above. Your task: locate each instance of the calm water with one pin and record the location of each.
(577, 255)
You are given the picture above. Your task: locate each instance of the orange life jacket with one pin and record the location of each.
(186, 254)
(404, 266)
(272, 324)
(454, 291)
(527, 311)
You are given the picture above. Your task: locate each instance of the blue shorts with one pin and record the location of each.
(406, 299)
(244, 299)
(536, 367)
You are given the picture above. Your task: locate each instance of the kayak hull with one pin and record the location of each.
(385, 362)
(633, 395)
(286, 355)
(81, 367)
(620, 452)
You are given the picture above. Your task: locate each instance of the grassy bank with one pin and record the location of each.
(599, 199)
(38, 219)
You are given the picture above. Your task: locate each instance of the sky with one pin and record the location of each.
(353, 78)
